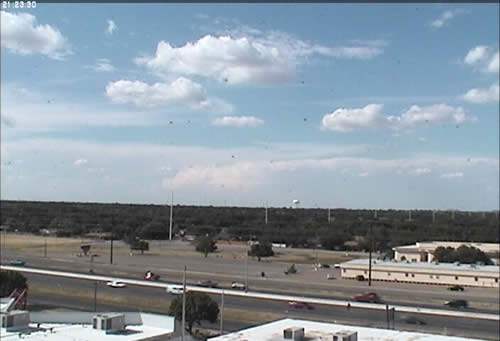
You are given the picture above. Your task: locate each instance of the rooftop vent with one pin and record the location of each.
(16, 320)
(111, 323)
(343, 335)
(293, 333)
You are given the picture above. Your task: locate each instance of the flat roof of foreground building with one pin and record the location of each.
(151, 327)
(314, 331)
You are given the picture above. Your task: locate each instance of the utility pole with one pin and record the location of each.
(111, 245)
(433, 216)
(375, 214)
(95, 296)
(45, 247)
(409, 215)
(184, 304)
(171, 217)
(266, 214)
(329, 216)
(370, 257)
(222, 313)
(246, 273)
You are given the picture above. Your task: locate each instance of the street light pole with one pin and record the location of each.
(246, 273)
(95, 296)
(370, 257)
(111, 246)
(222, 313)
(184, 304)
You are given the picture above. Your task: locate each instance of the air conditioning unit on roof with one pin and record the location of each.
(293, 333)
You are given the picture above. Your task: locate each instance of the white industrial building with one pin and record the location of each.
(298, 330)
(427, 273)
(82, 326)
(424, 251)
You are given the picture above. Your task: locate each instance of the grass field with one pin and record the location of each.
(35, 244)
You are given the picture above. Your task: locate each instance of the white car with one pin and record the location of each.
(175, 289)
(238, 285)
(116, 284)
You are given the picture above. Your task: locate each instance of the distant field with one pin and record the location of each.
(35, 244)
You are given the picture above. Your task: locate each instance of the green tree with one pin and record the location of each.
(262, 249)
(463, 254)
(206, 244)
(199, 307)
(10, 280)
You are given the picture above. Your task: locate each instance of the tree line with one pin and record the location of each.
(347, 229)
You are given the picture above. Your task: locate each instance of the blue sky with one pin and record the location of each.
(336, 105)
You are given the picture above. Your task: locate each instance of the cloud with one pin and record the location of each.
(111, 27)
(452, 175)
(252, 57)
(478, 95)
(483, 58)
(444, 18)
(80, 162)
(238, 121)
(494, 63)
(180, 91)
(370, 116)
(420, 171)
(21, 34)
(363, 174)
(102, 65)
(346, 120)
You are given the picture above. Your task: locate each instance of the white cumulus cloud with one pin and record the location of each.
(111, 27)
(371, 116)
(271, 58)
(444, 18)
(180, 91)
(238, 121)
(20, 33)
(420, 171)
(478, 95)
(452, 175)
(80, 162)
(102, 65)
(484, 58)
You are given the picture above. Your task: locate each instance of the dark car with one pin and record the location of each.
(207, 284)
(17, 262)
(456, 288)
(369, 297)
(151, 276)
(300, 305)
(457, 304)
(413, 320)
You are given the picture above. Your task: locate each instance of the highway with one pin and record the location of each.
(486, 329)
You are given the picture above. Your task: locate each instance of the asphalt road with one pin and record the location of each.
(435, 324)
(307, 282)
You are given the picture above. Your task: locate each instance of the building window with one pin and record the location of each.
(414, 260)
(388, 274)
(343, 270)
(437, 276)
(456, 278)
(365, 272)
(431, 276)
(412, 275)
(475, 279)
(496, 280)
(406, 274)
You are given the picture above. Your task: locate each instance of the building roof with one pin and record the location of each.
(493, 269)
(153, 325)
(315, 330)
(490, 248)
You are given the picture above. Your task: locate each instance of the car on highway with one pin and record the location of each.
(300, 305)
(238, 285)
(207, 284)
(116, 284)
(17, 262)
(150, 276)
(456, 288)
(336, 266)
(369, 297)
(330, 276)
(461, 304)
(175, 289)
(412, 320)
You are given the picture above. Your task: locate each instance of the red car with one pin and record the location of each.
(300, 305)
(369, 297)
(151, 276)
